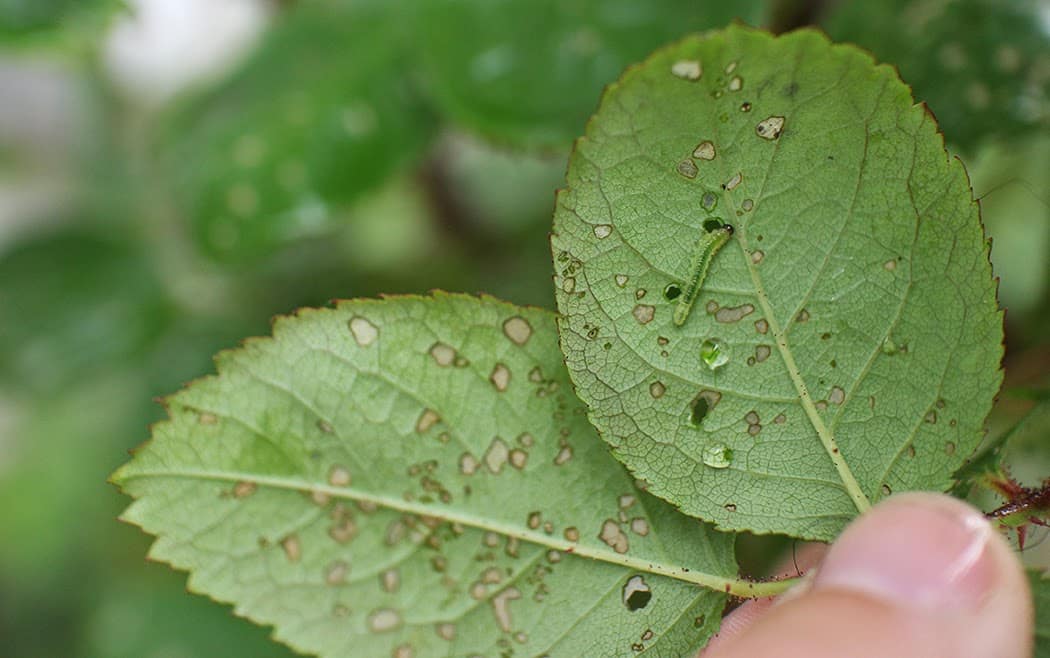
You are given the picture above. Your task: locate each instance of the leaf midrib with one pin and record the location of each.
(735, 586)
(827, 438)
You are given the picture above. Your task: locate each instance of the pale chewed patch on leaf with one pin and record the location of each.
(415, 477)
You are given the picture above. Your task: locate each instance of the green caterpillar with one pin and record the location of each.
(706, 248)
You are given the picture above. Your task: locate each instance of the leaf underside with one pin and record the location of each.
(855, 299)
(412, 477)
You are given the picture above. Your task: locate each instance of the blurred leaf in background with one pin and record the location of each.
(530, 73)
(82, 302)
(53, 23)
(983, 66)
(1012, 179)
(323, 111)
(147, 615)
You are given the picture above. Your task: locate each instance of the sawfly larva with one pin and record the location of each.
(706, 248)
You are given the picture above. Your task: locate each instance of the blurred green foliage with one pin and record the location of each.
(981, 65)
(359, 147)
(530, 73)
(316, 116)
(19, 15)
(54, 24)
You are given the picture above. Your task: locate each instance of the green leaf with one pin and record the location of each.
(1011, 178)
(854, 302)
(73, 26)
(528, 71)
(145, 612)
(52, 459)
(21, 15)
(1029, 432)
(76, 301)
(982, 65)
(322, 113)
(1037, 580)
(415, 472)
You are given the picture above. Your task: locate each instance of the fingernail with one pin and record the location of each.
(916, 550)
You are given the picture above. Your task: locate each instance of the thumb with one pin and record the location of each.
(920, 575)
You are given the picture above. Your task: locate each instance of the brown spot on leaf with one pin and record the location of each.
(446, 631)
(384, 620)
(443, 354)
(427, 419)
(518, 330)
(687, 69)
(564, 455)
(644, 313)
(613, 536)
(243, 489)
(365, 333)
(500, 377)
(496, 456)
(293, 550)
(837, 395)
(335, 572)
(501, 607)
(339, 476)
(343, 530)
(704, 151)
(770, 128)
(390, 580)
(535, 518)
(729, 314)
(320, 498)
(468, 464)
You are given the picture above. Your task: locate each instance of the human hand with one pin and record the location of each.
(920, 575)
